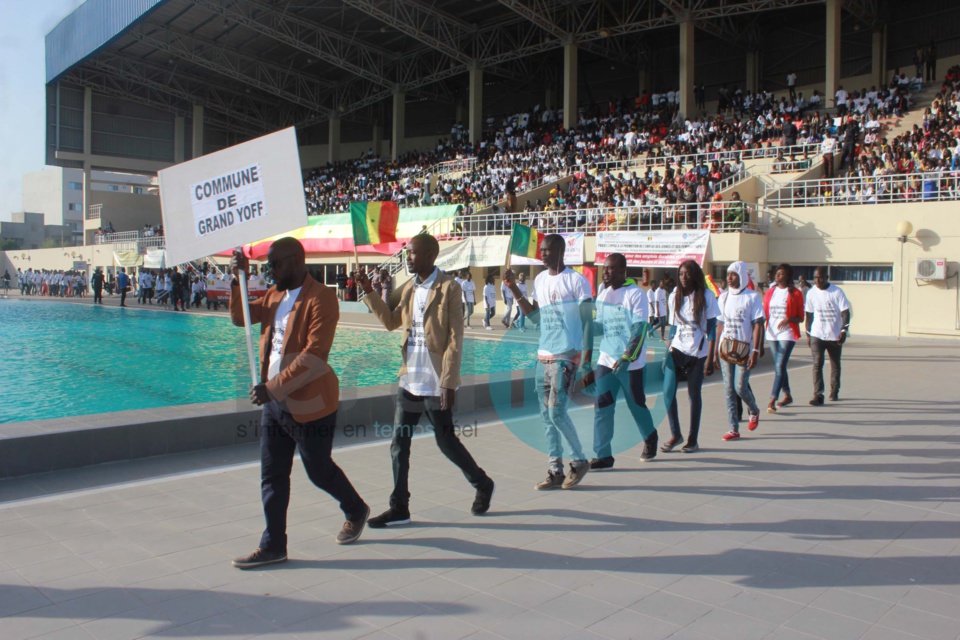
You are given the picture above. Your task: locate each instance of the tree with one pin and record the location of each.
(10, 244)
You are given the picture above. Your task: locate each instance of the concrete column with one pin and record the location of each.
(833, 52)
(753, 71)
(377, 138)
(570, 65)
(179, 126)
(197, 149)
(688, 105)
(475, 108)
(550, 99)
(879, 68)
(87, 121)
(461, 113)
(643, 80)
(399, 122)
(333, 140)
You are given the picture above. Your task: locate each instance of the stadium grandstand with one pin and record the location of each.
(801, 131)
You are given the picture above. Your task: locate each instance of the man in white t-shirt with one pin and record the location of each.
(507, 296)
(741, 319)
(469, 289)
(827, 314)
(657, 300)
(621, 321)
(519, 319)
(841, 100)
(562, 300)
(429, 311)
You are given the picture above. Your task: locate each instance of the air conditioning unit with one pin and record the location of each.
(931, 269)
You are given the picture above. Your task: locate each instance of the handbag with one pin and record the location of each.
(734, 351)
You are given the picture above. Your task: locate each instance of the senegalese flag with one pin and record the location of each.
(374, 222)
(712, 285)
(525, 241)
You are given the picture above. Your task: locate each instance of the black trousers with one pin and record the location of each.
(406, 419)
(280, 437)
(98, 295)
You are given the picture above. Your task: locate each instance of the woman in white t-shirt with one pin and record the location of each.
(693, 318)
(469, 288)
(489, 302)
(741, 319)
(783, 309)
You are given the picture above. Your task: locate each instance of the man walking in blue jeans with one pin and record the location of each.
(431, 312)
(562, 302)
(621, 317)
(741, 320)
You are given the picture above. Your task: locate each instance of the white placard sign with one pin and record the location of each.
(232, 197)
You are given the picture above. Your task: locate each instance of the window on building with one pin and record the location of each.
(848, 272)
(114, 187)
(139, 190)
(76, 186)
(74, 206)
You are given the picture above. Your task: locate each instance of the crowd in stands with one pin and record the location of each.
(919, 164)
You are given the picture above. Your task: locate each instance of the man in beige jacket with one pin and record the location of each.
(431, 313)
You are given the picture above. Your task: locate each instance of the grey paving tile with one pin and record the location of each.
(630, 624)
(708, 590)
(724, 625)
(920, 623)
(830, 626)
(674, 609)
(577, 609)
(852, 604)
(933, 601)
(530, 624)
(886, 633)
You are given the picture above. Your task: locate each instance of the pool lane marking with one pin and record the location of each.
(248, 465)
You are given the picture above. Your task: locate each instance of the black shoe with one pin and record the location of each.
(690, 447)
(816, 401)
(481, 503)
(649, 452)
(601, 464)
(259, 558)
(390, 518)
(351, 530)
(834, 397)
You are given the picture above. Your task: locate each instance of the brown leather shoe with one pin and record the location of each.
(351, 530)
(671, 444)
(259, 558)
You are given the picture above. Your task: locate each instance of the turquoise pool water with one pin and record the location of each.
(70, 360)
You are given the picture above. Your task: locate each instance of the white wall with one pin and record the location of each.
(48, 192)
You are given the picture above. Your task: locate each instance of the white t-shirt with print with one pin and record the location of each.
(691, 331)
(739, 312)
(469, 291)
(617, 311)
(658, 296)
(281, 322)
(778, 313)
(559, 298)
(826, 305)
(421, 377)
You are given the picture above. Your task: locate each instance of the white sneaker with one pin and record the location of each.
(489, 328)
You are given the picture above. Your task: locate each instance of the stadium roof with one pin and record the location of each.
(259, 65)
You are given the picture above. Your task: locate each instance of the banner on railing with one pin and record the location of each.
(483, 251)
(653, 248)
(155, 259)
(573, 255)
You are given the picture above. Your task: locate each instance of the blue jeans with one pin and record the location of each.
(518, 319)
(781, 356)
(694, 388)
(609, 385)
(508, 303)
(736, 383)
(280, 437)
(553, 383)
(489, 313)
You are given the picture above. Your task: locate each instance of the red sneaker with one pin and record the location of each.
(731, 435)
(754, 422)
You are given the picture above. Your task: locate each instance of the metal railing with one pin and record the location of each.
(119, 237)
(885, 189)
(715, 216)
(93, 211)
(459, 165)
(783, 165)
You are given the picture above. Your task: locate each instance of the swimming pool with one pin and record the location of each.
(66, 359)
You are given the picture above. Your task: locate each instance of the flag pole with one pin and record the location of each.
(247, 328)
